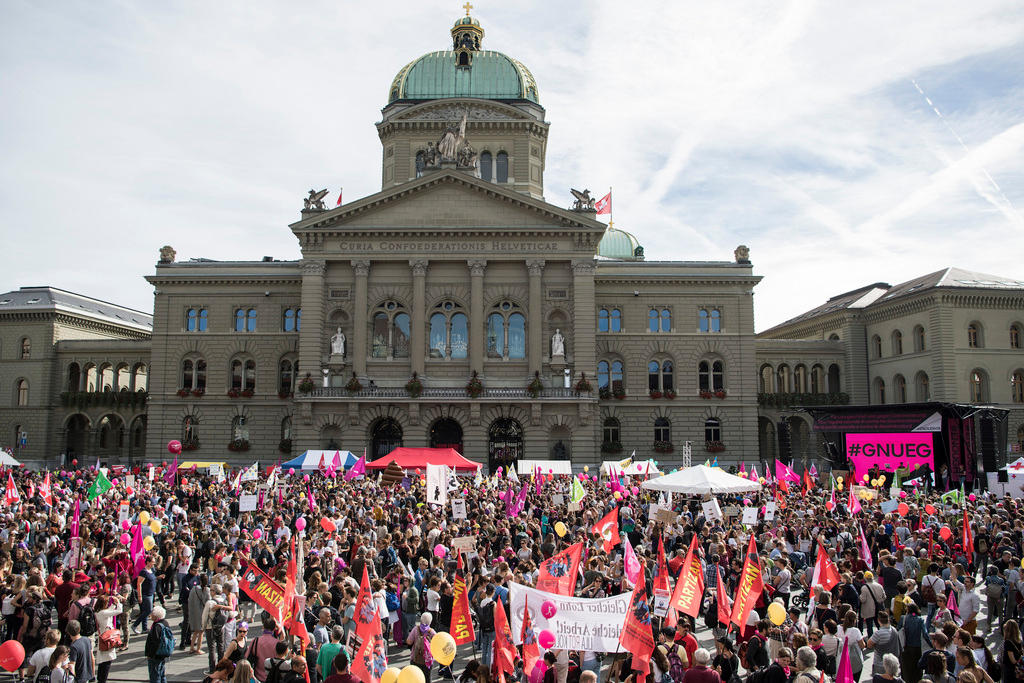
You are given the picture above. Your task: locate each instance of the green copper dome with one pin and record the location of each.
(619, 244)
(464, 71)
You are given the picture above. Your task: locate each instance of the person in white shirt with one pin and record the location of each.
(970, 604)
(41, 657)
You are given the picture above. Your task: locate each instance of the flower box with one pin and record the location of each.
(720, 393)
(583, 386)
(284, 394)
(190, 444)
(655, 394)
(714, 446)
(414, 387)
(705, 394)
(475, 387)
(238, 445)
(198, 392)
(248, 393)
(234, 393)
(604, 392)
(669, 394)
(184, 393)
(306, 384)
(619, 393)
(662, 447)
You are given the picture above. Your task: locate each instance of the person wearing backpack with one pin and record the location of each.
(159, 645)
(82, 660)
(419, 640)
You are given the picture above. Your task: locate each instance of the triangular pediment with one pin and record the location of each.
(448, 200)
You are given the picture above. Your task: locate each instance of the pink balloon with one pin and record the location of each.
(126, 525)
(546, 639)
(635, 490)
(174, 447)
(113, 482)
(125, 539)
(594, 478)
(305, 477)
(257, 534)
(971, 497)
(903, 494)
(291, 471)
(548, 608)
(300, 523)
(440, 550)
(465, 492)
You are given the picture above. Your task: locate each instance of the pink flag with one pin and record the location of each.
(171, 471)
(137, 551)
(753, 473)
(865, 551)
(814, 471)
(743, 469)
(75, 518)
(536, 480)
(309, 499)
(784, 473)
(853, 504)
(358, 470)
(845, 671)
(951, 603)
(631, 564)
(336, 462)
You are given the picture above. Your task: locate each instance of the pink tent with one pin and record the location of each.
(411, 458)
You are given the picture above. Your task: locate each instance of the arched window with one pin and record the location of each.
(239, 428)
(784, 384)
(922, 390)
(22, 392)
(196, 319)
(243, 374)
(662, 430)
(287, 376)
(817, 379)
(897, 343)
(833, 337)
(193, 374)
(245, 320)
(716, 320)
(703, 321)
(710, 320)
(91, 377)
(659, 321)
(501, 168)
(122, 377)
(666, 320)
(140, 379)
(26, 348)
(711, 375)
(975, 339)
(609, 375)
(652, 320)
(449, 332)
(485, 166)
(876, 346)
(106, 377)
(1015, 334)
(919, 344)
(880, 390)
(712, 430)
(766, 382)
(1017, 386)
(833, 379)
(292, 320)
(800, 379)
(74, 377)
(900, 388)
(610, 431)
(609, 320)
(506, 332)
(189, 431)
(390, 332)
(979, 386)
(659, 376)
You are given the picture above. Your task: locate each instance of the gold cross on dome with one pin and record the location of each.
(467, 7)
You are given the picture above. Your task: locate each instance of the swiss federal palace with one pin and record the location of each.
(456, 307)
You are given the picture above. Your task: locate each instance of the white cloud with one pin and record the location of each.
(791, 127)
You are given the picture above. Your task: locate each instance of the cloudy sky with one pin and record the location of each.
(845, 143)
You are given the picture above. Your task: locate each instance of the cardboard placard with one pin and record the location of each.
(558, 499)
(152, 472)
(247, 502)
(129, 480)
(122, 513)
(661, 602)
(889, 506)
(466, 544)
(575, 507)
(712, 511)
(730, 511)
(749, 515)
(666, 516)
(769, 511)
(459, 508)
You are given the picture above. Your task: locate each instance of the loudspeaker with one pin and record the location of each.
(991, 456)
(1003, 477)
(785, 442)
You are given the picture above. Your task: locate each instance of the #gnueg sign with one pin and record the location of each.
(889, 451)
(578, 623)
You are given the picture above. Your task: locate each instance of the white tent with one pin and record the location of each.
(637, 468)
(546, 466)
(701, 479)
(8, 460)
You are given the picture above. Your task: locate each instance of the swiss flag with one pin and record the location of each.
(826, 574)
(608, 530)
(604, 204)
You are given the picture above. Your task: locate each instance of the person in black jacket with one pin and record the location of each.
(780, 670)
(157, 664)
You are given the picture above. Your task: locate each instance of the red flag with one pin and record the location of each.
(604, 204)
(689, 592)
(289, 586)
(371, 658)
(636, 636)
(852, 504)
(461, 626)
(340, 190)
(968, 537)
(531, 652)
(608, 530)
(661, 570)
(808, 482)
(504, 650)
(558, 572)
(11, 496)
(826, 574)
(45, 491)
(724, 604)
(750, 586)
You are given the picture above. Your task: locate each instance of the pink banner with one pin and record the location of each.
(889, 451)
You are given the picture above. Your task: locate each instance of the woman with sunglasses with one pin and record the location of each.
(235, 651)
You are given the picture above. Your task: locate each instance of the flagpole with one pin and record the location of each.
(611, 208)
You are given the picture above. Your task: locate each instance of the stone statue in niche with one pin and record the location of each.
(451, 140)
(559, 452)
(557, 344)
(338, 343)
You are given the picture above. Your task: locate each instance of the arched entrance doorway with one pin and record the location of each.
(504, 443)
(385, 437)
(446, 433)
(766, 440)
(137, 440)
(77, 431)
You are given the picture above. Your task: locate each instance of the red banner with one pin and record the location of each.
(689, 592)
(504, 649)
(637, 636)
(750, 586)
(264, 591)
(371, 658)
(461, 626)
(724, 606)
(558, 573)
(661, 570)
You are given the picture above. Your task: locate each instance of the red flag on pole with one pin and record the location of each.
(371, 658)
(340, 190)
(504, 649)
(750, 586)
(604, 204)
(531, 652)
(608, 530)
(689, 592)
(808, 482)
(826, 574)
(45, 491)
(968, 537)
(461, 626)
(636, 636)
(558, 572)
(11, 496)
(661, 569)
(724, 604)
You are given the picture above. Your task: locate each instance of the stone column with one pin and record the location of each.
(361, 269)
(477, 324)
(535, 339)
(417, 336)
(583, 327)
(311, 333)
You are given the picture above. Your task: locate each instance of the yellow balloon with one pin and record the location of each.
(776, 613)
(148, 543)
(839, 480)
(839, 487)
(143, 517)
(560, 529)
(390, 675)
(411, 674)
(586, 468)
(881, 479)
(442, 646)
(155, 526)
(867, 478)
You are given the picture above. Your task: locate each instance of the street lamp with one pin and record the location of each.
(327, 377)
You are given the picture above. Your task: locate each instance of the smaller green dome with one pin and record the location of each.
(620, 245)
(466, 21)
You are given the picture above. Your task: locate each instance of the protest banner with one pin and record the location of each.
(578, 623)
(749, 515)
(666, 516)
(459, 508)
(437, 484)
(247, 502)
(465, 544)
(712, 511)
(769, 511)
(123, 512)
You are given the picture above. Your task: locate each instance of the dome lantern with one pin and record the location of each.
(467, 34)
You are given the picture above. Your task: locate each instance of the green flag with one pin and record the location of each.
(100, 486)
(577, 493)
(953, 496)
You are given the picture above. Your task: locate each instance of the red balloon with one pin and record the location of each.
(327, 525)
(930, 509)
(174, 447)
(12, 654)
(903, 509)
(829, 505)
(75, 462)
(945, 533)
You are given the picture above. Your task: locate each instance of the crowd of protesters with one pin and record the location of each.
(926, 605)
